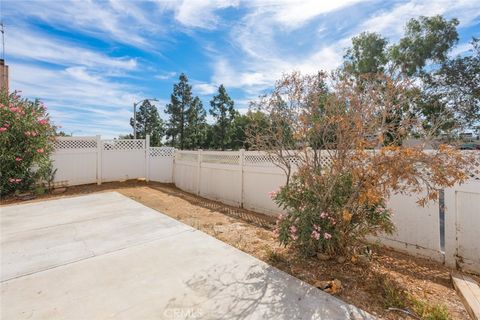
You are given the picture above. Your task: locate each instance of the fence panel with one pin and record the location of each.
(185, 171)
(220, 177)
(123, 159)
(417, 229)
(75, 159)
(462, 212)
(161, 164)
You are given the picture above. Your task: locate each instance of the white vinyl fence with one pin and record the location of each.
(244, 179)
(84, 160)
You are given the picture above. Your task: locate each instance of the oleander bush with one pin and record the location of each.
(339, 141)
(26, 141)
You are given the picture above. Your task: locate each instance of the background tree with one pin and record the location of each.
(196, 126)
(223, 111)
(426, 39)
(149, 122)
(448, 85)
(368, 54)
(177, 109)
(453, 91)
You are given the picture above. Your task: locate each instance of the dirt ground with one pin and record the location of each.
(252, 233)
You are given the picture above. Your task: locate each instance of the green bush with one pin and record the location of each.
(26, 141)
(320, 217)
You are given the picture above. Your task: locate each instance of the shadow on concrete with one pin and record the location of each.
(260, 292)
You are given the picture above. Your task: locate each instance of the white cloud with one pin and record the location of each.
(198, 13)
(293, 13)
(77, 99)
(390, 22)
(25, 44)
(123, 21)
(204, 88)
(462, 48)
(166, 75)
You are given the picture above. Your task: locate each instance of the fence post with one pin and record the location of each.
(450, 223)
(242, 163)
(99, 159)
(147, 157)
(199, 170)
(173, 164)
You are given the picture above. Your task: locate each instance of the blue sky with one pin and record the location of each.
(90, 60)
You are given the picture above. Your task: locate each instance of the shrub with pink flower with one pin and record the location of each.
(26, 136)
(312, 225)
(272, 194)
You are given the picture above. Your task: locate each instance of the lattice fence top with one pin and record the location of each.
(259, 160)
(123, 144)
(267, 160)
(221, 158)
(186, 156)
(474, 171)
(325, 160)
(74, 144)
(162, 152)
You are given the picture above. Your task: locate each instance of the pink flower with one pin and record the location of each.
(327, 235)
(323, 215)
(18, 159)
(6, 125)
(27, 133)
(42, 121)
(18, 180)
(11, 180)
(294, 237)
(276, 231)
(316, 227)
(315, 235)
(33, 133)
(40, 150)
(2, 129)
(293, 230)
(272, 194)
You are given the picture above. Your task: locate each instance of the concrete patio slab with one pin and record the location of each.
(105, 256)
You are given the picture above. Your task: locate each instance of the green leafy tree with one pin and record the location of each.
(222, 109)
(196, 128)
(453, 91)
(368, 54)
(426, 39)
(447, 88)
(253, 123)
(180, 102)
(149, 122)
(26, 141)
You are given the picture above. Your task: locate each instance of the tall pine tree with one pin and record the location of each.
(186, 127)
(180, 102)
(149, 122)
(222, 109)
(195, 130)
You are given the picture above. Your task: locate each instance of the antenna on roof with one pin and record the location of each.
(2, 30)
